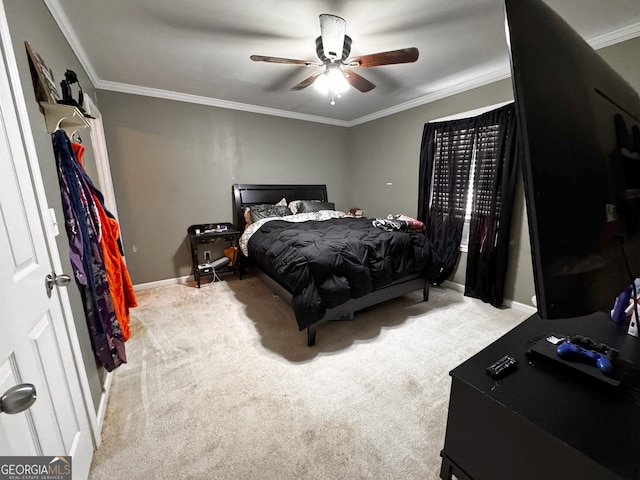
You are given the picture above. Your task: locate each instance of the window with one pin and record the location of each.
(470, 192)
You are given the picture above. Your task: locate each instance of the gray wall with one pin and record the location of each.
(31, 21)
(173, 165)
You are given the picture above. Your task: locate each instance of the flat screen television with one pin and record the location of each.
(579, 125)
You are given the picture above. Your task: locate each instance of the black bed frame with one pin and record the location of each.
(245, 195)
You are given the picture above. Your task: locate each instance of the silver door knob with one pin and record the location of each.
(52, 280)
(17, 399)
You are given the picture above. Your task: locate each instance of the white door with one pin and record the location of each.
(34, 341)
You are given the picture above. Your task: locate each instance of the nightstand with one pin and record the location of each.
(205, 234)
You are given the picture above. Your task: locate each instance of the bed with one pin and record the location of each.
(279, 249)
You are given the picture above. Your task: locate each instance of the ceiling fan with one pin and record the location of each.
(333, 47)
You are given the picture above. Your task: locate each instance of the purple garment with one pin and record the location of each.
(74, 234)
(82, 223)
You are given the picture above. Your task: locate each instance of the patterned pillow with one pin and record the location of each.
(261, 211)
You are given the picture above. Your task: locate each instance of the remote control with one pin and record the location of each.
(503, 366)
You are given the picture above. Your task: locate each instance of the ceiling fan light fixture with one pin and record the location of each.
(322, 84)
(337, 83)
(332, 81)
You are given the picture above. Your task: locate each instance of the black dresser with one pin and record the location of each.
(546, 420)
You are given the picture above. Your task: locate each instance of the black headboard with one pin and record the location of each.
(245, 195)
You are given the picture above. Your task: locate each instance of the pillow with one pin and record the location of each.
(258, 212)
(305, 206)
(247, 217)
(294, 206)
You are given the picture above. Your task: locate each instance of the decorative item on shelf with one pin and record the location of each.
(213, 228)
(70, 78)
(58, 114)
(42, 77)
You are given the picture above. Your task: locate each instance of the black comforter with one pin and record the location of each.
(325, 263)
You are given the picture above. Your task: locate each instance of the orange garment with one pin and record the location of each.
(120, 285)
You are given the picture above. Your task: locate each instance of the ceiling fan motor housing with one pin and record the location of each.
(346, 50)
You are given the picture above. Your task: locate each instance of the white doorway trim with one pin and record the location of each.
(105, 185)
(99, 144)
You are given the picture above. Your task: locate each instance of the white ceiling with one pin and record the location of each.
(198, 50)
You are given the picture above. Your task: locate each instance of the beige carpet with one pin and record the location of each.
(221, 385)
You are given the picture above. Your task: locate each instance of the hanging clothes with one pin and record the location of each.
(84, 229)
(120, 285)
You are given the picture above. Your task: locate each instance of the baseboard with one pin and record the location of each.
(102, 407)
(521, 307)
(161, 283)
(453, 286)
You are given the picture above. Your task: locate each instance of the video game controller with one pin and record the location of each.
(602, 359)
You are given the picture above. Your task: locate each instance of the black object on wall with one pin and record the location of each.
(71, 78)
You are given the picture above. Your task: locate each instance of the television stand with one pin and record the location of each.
(542, 420)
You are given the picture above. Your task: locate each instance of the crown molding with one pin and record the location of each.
(212, 102)
(475, 82)
(600, 41)
(617, 36)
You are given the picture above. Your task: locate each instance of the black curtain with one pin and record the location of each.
(445, 163)
(496, 169)
(488, 144)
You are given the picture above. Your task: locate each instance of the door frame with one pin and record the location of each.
(99, 143)
(46, 220)
(105, 184)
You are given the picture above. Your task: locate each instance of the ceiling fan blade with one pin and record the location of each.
(405, 55)
(358, 81)
(287, 61)
(306, 82)
(332, 30)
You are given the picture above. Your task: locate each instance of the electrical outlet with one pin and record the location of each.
(207, 256)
